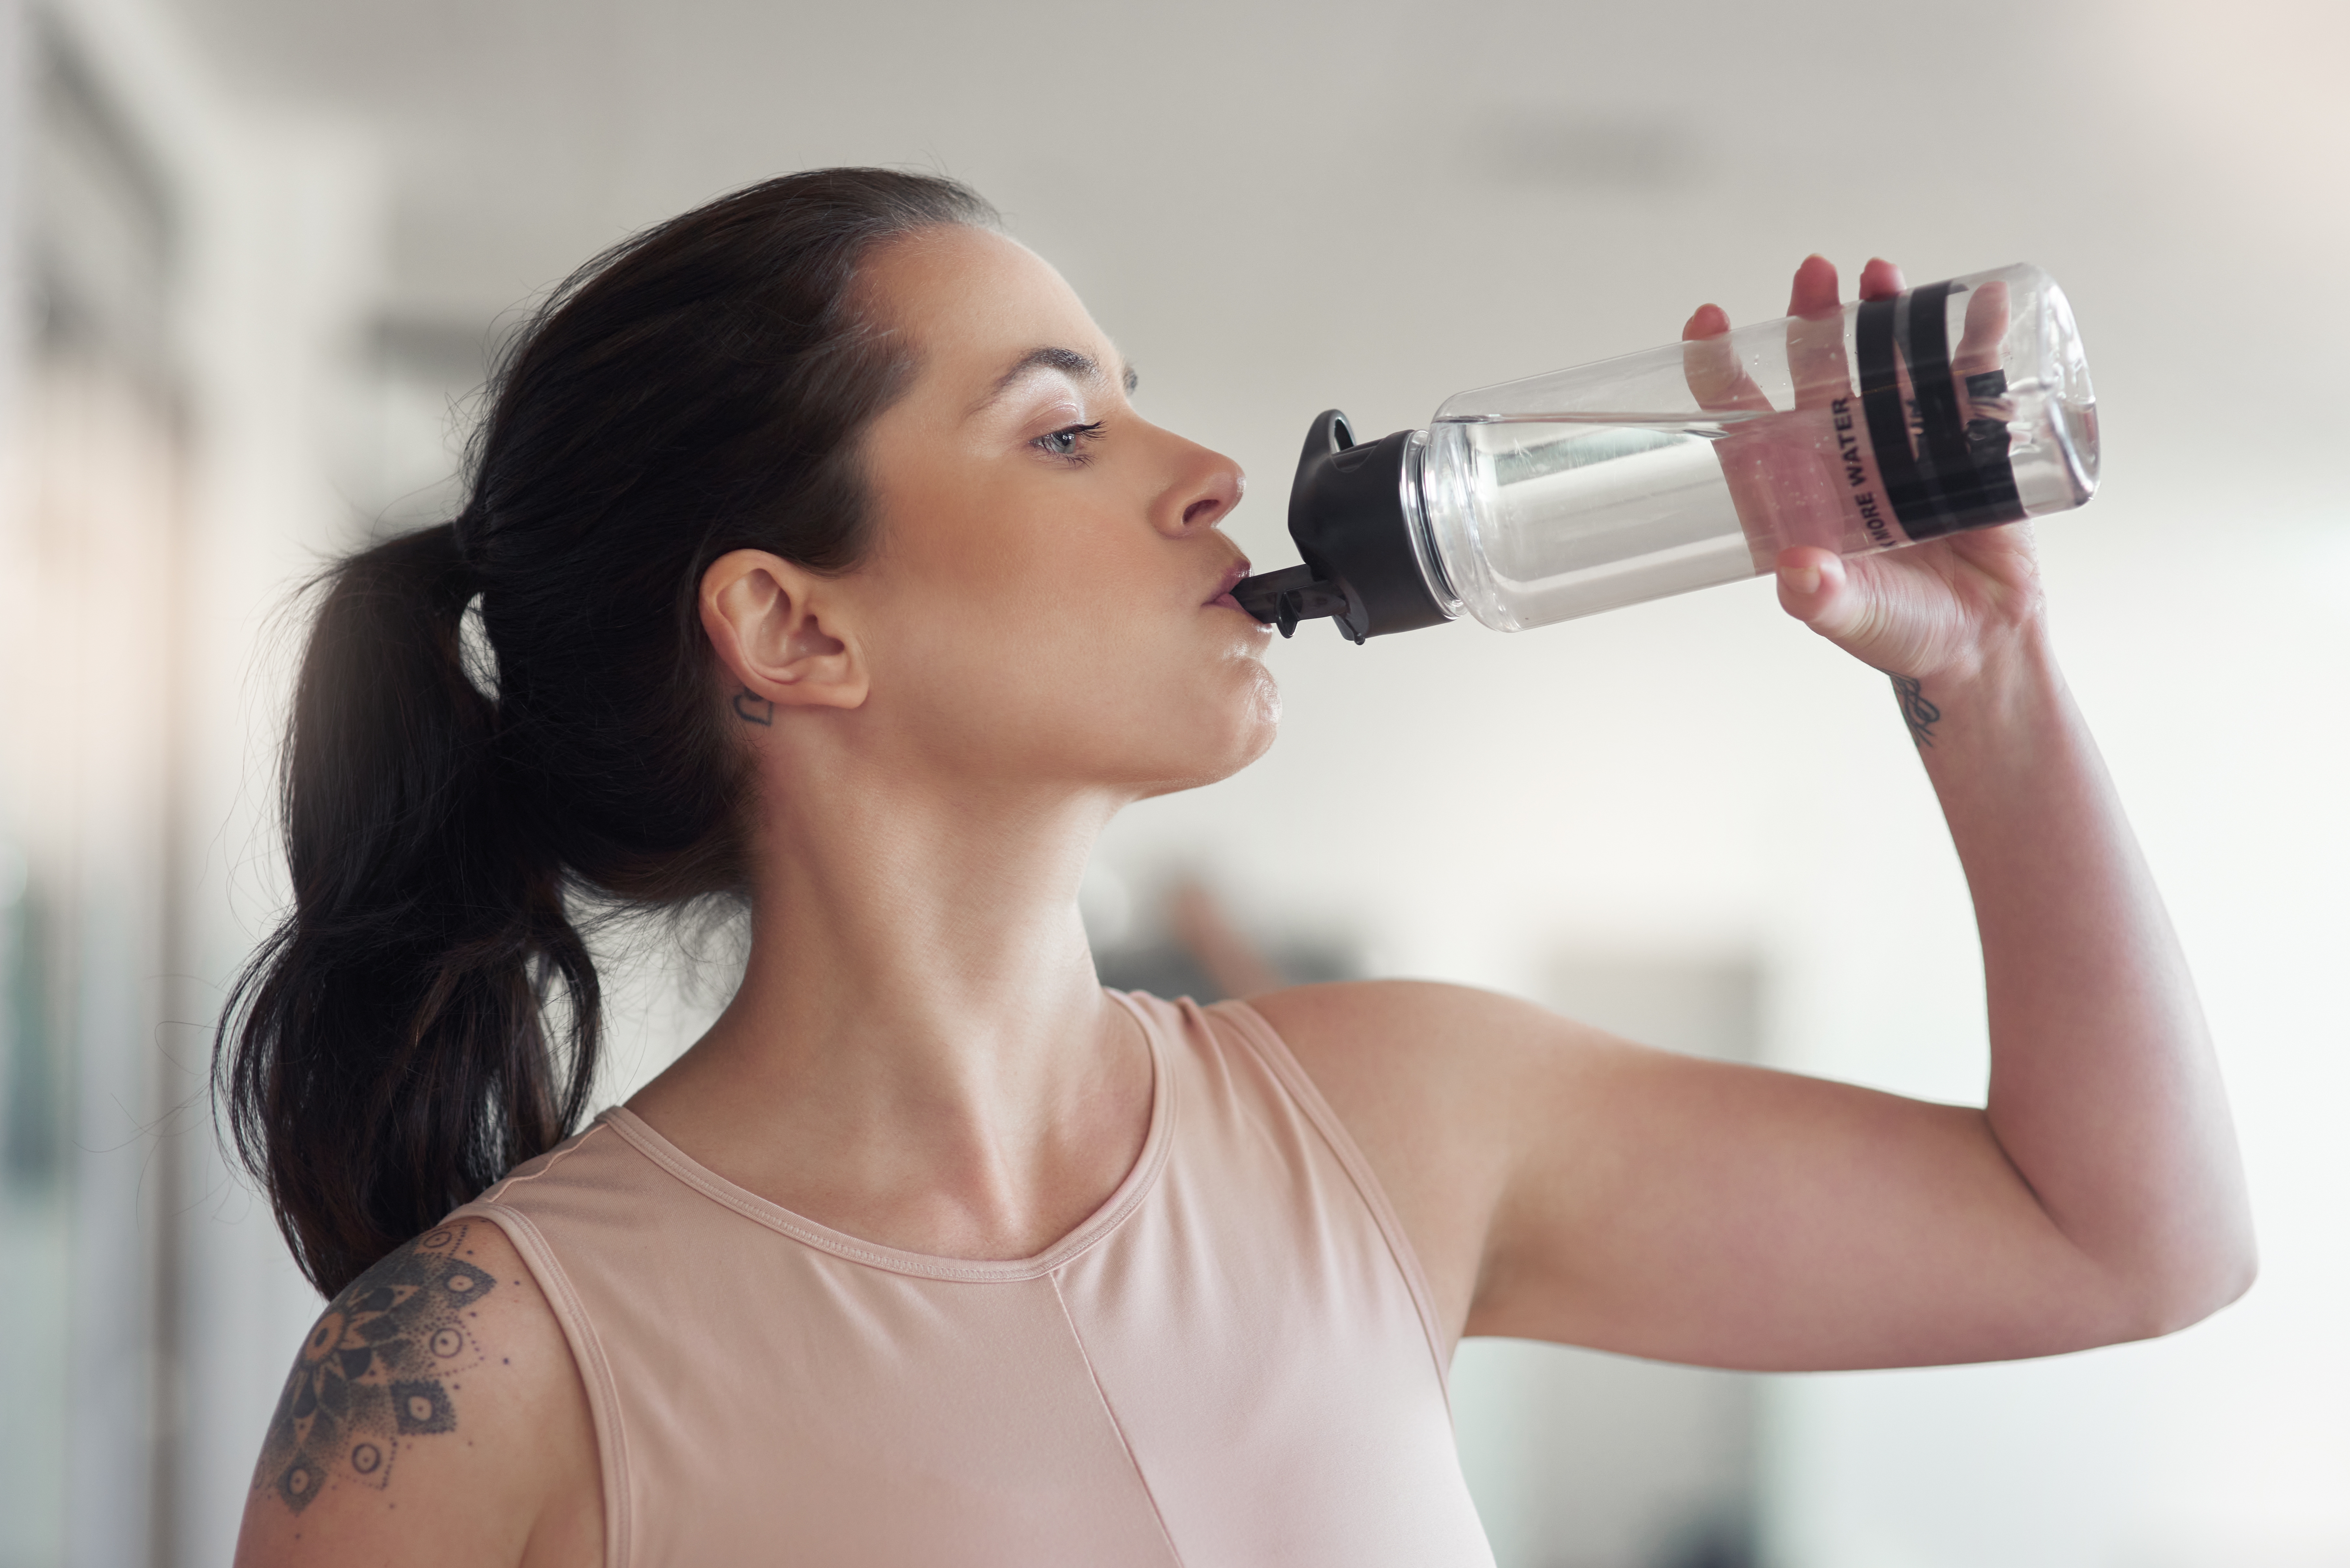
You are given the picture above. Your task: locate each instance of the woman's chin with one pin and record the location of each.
(1263, 717)
(1245, 733)
(1251, 719)
(1183, 757)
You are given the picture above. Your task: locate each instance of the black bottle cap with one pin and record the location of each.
(1346, 515)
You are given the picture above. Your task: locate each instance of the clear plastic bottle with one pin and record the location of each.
(1957, 405)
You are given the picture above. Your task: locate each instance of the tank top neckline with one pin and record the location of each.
(1113, 1211)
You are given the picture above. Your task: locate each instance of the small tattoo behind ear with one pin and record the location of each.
(753, 708)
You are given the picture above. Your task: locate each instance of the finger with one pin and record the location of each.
(1710, 365)
(1986, 330)
(1880, 279)
(1815, 589)
(1816, 288)
(1815, 357)
(1705, 321)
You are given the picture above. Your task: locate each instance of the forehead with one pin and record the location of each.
(972, 302)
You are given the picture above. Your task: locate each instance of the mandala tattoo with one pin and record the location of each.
(375, 1373)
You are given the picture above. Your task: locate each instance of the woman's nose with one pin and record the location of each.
(1208, 485)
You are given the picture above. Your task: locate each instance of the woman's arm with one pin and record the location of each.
(433, 1414)
(1561, 1185)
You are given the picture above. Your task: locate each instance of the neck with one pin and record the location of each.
(920, 1052)
(939, 938)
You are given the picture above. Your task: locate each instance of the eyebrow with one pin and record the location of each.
(1069, 362)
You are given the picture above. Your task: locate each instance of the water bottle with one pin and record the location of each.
(1962, 404)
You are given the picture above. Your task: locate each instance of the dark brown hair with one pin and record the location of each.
(426, 1016)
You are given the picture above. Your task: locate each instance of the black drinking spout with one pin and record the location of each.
(1347, 516)
(1283, 598)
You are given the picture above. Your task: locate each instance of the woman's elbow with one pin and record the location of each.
(2187, 1289)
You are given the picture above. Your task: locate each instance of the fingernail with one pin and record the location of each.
(1805, 580)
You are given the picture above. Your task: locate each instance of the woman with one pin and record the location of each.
(824, 563)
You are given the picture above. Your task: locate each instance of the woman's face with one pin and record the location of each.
(1047, 595)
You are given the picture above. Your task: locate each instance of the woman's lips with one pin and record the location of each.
(1232, 577)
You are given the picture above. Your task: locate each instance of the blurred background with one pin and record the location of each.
(256, 252)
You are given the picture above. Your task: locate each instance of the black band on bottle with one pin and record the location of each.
(1957, 475)
(1996, 500)
(1990, 495)
(1944, 463)
(1880, 405)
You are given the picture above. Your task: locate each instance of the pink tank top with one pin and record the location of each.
(1235, 1362)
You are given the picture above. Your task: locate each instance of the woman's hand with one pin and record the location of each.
(1933, 610)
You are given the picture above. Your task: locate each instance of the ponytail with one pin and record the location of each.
(391, 1056)
(426, 1016)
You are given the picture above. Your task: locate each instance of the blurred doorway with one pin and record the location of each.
(89, 638)
(1582, 1460)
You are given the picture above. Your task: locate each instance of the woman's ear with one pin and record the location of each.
(780, 635)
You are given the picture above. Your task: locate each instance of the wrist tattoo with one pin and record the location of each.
(753, 708)
(1920, 715)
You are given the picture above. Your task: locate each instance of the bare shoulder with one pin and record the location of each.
(432, 1411)
(1432, 1082)
(1366, 1041)
(1411, 1013)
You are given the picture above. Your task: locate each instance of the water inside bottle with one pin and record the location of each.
(1543, 499)
(1577, 512)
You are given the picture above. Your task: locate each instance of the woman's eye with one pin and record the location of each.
(1069, 440)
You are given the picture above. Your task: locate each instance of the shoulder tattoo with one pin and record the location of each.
(377, 1371)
